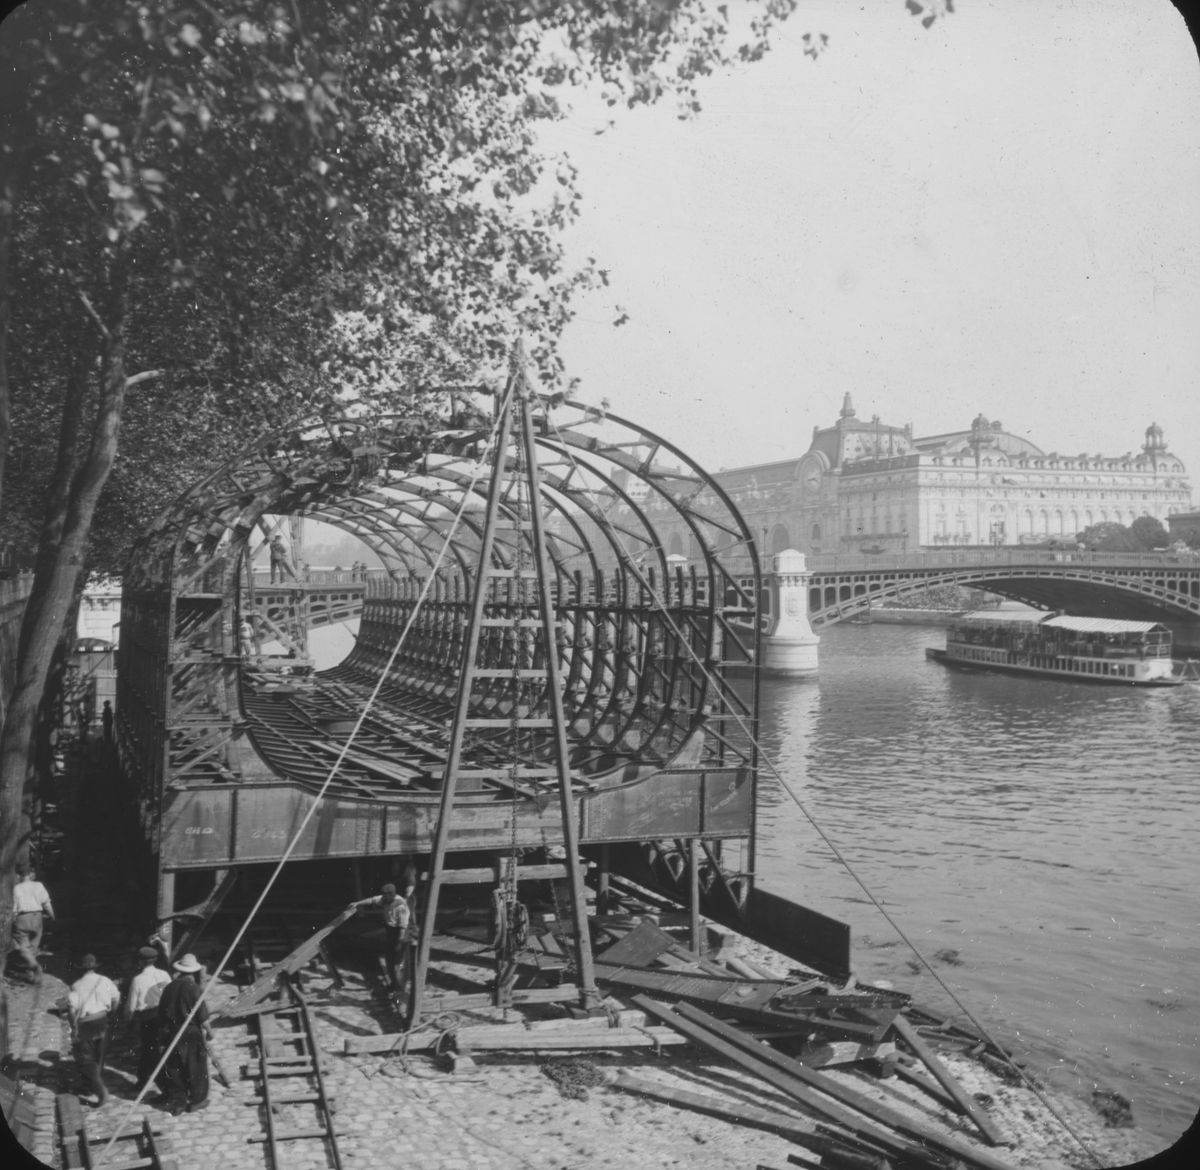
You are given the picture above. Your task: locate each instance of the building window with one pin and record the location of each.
(675, 545)
(780, 539)
(816, 532)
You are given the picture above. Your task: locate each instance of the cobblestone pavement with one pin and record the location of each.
(41, 1049)
(507, 1115)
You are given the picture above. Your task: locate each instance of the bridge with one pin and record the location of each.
(1137, 586)
(286, 610)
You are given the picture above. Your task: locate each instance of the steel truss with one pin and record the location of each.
(202, 730)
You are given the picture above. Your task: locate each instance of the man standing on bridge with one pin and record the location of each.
(281, 562)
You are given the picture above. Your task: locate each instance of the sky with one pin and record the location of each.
(999, 214)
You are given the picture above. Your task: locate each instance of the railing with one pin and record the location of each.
(1017, 558)
(262, 578)
(980, 558)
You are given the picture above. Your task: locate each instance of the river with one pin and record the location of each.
(1037, 840)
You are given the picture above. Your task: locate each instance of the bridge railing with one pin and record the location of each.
(984, 558)
(988, 557)
(262, 578)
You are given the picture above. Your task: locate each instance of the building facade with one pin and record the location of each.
(870, 487)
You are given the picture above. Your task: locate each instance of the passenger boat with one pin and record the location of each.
(1058, 645)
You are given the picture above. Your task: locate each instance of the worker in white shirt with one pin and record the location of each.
(90, 1002)
(396, 919)
(141, 1008)
(30, 902)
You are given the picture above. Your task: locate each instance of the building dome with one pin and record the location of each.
(1154, 438)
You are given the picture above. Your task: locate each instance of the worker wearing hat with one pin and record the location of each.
(185, 1076)
(141, 1009)
(91, 1001)
(31, 902)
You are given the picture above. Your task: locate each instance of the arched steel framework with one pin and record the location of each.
(224, 755)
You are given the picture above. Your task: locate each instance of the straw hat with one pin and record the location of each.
(188, 965)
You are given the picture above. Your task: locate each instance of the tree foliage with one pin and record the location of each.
(1144, 534)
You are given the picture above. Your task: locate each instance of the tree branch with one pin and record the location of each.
(91, 310)
(144, 376)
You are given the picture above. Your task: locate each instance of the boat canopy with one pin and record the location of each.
(1090, 625)
(1002, 617)
(1062, 621)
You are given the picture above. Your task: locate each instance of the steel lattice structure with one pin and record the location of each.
(224, 757)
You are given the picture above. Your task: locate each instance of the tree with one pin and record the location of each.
(226, 214)
(1150, 533)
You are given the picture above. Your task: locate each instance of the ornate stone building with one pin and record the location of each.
(869, 487)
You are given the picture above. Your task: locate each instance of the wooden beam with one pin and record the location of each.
(726, 1109)
(740, 1048)
(942, 1075)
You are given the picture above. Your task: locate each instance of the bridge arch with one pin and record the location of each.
(1139, 586)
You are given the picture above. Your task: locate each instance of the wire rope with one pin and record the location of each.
(566, 447)
(479, 466)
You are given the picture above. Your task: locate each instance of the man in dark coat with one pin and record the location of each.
(185, 1075)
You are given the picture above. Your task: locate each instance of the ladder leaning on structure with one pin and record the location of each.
(518, 600)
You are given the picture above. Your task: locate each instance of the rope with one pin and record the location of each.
(478, 469)
(566, 447)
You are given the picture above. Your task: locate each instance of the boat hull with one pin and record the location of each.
(941, 656)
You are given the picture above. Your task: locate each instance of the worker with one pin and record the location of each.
(185, 1076)
(31, 902)
(106, 718)
(281, 563)
(396, 919)
(246, 634)
(91, 1001)
(141, 1009)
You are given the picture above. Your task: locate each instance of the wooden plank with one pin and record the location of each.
(941, 1074)
(764, 1056)
(843, 1052)
(922, 1082)
(739, 1114)
(266, 983)
(807, 1024)
(822, 1105)
(568, 1041)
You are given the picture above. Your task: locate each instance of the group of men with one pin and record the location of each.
(157, 1004)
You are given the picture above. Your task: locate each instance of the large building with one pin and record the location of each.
(869, 487)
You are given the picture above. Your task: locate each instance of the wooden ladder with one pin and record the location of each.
(501, 599)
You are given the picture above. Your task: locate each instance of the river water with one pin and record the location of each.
(1037, 840)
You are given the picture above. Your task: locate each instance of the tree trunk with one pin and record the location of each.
(58, 580)
(8, 194)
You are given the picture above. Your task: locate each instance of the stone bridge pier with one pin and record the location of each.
(790, 646)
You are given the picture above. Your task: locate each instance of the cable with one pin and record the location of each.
(479, 466)
(566, 447)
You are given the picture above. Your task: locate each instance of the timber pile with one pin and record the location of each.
(781, 1031)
